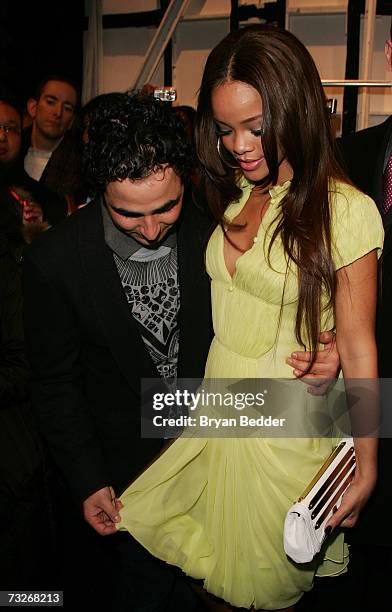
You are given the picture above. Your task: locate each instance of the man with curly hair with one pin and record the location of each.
(116, 294)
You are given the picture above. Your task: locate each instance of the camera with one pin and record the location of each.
(165, 94)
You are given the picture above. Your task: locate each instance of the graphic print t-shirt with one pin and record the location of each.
(149, 279)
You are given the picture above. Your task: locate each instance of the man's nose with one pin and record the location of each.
(58, 109)
(3, 134)
(150, 228)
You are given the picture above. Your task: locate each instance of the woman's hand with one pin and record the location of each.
(353, 500)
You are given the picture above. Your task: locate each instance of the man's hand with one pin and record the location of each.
(324, 370)
(100, 510)
(32, 213)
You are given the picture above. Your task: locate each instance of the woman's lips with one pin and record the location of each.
(250, 165)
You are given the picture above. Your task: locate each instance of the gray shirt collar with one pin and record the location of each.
(125, 246)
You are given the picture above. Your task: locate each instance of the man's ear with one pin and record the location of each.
(388, 54)
(31, 106)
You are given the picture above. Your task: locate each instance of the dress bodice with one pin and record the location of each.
(255, 310)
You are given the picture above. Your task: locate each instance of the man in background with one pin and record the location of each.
(26, 543)
(51, 151)
(367, 157)
(25, 206)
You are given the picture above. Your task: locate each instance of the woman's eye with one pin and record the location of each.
(257, 132)
(222, 132)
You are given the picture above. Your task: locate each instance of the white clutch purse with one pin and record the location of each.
(305, 521)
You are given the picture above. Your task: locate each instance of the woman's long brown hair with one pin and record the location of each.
(296, 121)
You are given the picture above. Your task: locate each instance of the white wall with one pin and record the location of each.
(381, 100)
(325, 36)
(192, 44)
(320, 24)
(124, 49)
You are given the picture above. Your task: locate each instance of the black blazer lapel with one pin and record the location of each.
(362, 155)
(195, 310)
(110, 302)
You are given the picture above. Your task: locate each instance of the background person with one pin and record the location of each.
(27, 539)
(367, 158)
(24, 203)
(51, 151)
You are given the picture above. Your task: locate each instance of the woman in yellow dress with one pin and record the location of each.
(294, 251)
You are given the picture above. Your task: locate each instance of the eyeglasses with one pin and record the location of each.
(9, 129)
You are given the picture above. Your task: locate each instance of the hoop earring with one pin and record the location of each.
(218, 148)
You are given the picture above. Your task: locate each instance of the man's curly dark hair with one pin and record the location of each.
(132, 135)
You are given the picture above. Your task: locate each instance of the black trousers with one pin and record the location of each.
(112, 573)
(146, 584)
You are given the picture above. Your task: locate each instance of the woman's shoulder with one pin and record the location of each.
(356, 223)
(345, 196)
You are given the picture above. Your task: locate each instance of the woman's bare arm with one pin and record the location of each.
(355, 311)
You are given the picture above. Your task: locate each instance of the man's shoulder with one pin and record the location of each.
(365, 137)
(70, 148)
(196, 211)
(63, 239)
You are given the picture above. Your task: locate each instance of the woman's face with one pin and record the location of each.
(238, 113)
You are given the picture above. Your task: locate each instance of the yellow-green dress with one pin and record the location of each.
(216, 507)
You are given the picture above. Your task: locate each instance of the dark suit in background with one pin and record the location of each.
(366, 585)
(364, 156)
(62, 174)
(25, 533)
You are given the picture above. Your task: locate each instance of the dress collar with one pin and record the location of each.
(276, 191)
